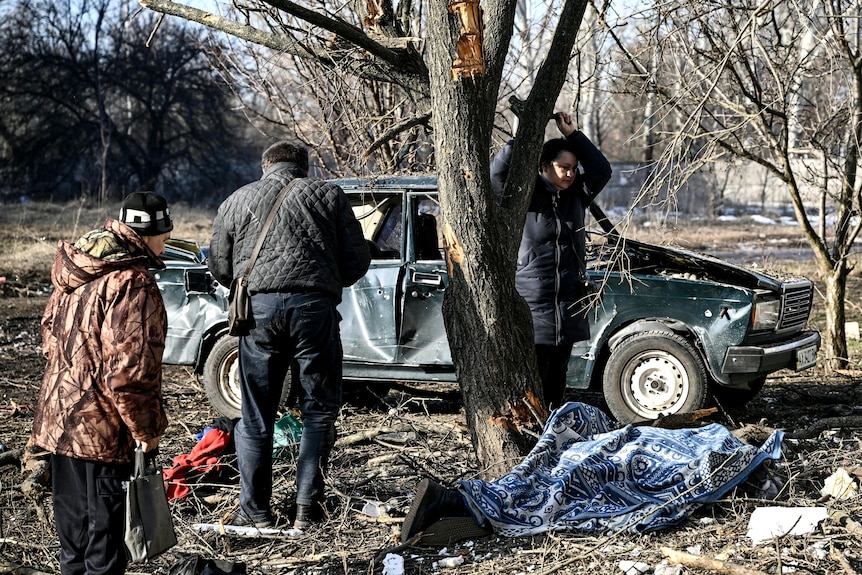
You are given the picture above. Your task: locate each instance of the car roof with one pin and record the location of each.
(388, 182)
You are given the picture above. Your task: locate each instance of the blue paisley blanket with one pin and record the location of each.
(588, 475)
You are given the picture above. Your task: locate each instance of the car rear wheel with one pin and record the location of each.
(654, 373)
(221, 378)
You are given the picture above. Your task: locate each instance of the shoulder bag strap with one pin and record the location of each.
(265, 229)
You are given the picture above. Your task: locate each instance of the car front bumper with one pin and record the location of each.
(797, 354)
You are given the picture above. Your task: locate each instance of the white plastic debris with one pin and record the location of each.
(450, 562)
(840, 485)
(374, 509)
(769, 522)
(393, 564)
(633, 567)
(665, 568)
(245, 531)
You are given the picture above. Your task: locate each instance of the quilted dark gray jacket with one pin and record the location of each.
(314, 244)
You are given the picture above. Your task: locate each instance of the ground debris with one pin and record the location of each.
(374, 470)
(714, 565)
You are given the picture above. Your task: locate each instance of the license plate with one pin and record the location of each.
(806, 357)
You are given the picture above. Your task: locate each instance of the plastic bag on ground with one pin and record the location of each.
(285, 440)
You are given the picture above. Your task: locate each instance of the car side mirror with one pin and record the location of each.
(199, 281)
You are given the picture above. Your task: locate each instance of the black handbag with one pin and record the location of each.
(240, 319)
(149, 529)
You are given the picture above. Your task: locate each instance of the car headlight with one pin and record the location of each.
(766, 315)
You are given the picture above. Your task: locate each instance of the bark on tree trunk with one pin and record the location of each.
(488, 324)
(835, 340)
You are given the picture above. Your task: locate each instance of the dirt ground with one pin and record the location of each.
(383, 452)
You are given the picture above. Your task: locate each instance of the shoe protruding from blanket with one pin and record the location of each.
(451, 530)
(440, 515)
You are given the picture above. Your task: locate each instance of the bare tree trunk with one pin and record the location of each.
(835, 338)
(490, 345)
(488, 324)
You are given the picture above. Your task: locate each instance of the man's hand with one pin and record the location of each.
(565, 123)
(149, 445)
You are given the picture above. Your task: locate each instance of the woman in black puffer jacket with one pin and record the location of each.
(551, 268)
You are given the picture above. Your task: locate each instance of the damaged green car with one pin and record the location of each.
(670, 329)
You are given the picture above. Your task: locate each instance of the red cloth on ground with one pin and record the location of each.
(202, 462)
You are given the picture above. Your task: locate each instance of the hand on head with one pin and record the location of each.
(565, 123)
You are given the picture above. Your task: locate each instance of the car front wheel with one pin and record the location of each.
(222, 380)
(654, 373)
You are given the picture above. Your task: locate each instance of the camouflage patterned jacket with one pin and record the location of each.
(103, 334)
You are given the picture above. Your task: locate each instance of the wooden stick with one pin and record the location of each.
(7, 567)
(10, 457)
(836, 555)
(361, 436)
(699, 562)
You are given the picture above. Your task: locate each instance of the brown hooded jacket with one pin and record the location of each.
(103, 334)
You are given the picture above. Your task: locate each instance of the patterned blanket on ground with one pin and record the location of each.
(587, 475)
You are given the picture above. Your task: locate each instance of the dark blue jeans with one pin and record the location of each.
(299, 328)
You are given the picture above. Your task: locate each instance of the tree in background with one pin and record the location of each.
(778, 84)
(352, 124)
(91, 110)
(449, 59)
(357, 123)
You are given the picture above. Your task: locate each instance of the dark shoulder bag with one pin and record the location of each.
(239, 315)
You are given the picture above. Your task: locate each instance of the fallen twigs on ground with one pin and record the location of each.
(699, 562)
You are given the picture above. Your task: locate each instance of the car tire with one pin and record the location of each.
(654, 373)
(221, 378)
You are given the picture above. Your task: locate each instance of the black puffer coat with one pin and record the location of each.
(552, 255)
(314, 243)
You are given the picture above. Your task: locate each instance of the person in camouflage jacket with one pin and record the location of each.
(103, 335)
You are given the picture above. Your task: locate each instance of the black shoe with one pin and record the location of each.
(432, 503)
(238, 518)
(451, 530)
(306, 515)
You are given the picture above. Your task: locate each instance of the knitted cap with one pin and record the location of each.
(147, 213)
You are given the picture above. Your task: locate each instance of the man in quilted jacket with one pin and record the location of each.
(103, 334)
(313, 249)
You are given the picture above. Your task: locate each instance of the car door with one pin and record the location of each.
(369, 308)
(193, 303)
(421, 332)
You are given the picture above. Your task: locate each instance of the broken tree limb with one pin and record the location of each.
(822, 425)
(361, 436)
(699, 562)
(7, 567)
(13, 456)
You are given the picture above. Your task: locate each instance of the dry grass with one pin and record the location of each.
(29, 234)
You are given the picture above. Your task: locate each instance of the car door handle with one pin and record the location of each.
(428, 279)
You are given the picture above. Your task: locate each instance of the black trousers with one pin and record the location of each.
(89, 510)
(553, 361)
